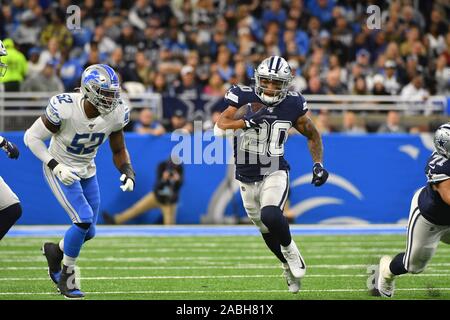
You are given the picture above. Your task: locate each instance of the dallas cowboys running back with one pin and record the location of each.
(261, 168)
(429, 218)
(78, 123)
(10, 209)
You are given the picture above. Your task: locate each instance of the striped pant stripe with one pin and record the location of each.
(60, 196)
(411, 225)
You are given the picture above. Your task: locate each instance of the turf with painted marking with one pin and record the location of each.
(216, 267)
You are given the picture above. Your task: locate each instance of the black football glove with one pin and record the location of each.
(254, 120)
(320, 175)
(10, 148)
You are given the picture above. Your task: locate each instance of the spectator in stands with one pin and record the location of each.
(360, 86)
(52, 54)
(322, 122)
(392, 124)
(57, 29)
(147, 124)
(159, 85)
(35, 65)
(378, 86)
(351, 124)
(390, 79)
(215, 86)
(169, 179)
(442, 75)
(27, 34)
(105, 44)
(334, 84)
(139, 13)
(275, 13)
(414, 91)
(17, 67)
(189, 86)
(45, 81)
(179, 122)
(314, 86)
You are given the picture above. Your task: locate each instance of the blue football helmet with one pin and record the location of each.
(100, 85)
(3, 66)
(272, 79)
(442, 140)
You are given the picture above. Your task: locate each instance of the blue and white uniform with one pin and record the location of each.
(75, 145)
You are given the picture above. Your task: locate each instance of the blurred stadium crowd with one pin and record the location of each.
(195, 47)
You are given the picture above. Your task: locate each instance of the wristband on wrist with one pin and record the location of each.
(127, 169)
(52, 164)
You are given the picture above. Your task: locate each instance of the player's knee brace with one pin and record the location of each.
(83, 225)
(272, 216)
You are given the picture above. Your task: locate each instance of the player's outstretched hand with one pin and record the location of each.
(65, 174)
(10, 148)
(320, 175)
(127, 183)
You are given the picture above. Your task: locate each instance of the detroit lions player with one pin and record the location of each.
(10, 209)
(261, 169)
(78, 123)
(429, 218)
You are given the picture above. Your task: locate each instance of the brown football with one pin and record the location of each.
(242, 111)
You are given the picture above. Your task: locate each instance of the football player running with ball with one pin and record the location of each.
(78, 123)
(261, 169)
(429, 219)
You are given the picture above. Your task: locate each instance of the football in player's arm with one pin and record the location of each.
(429, 219)
(10, 208)
(264, 180)
(78, 123)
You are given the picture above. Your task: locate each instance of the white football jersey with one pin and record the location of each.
(77, 141)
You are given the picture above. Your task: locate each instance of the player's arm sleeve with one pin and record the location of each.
(34, 139)
(124, 117)
(232, 97)
(302, 106)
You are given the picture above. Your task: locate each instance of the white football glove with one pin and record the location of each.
(65, 174)
(127, 183)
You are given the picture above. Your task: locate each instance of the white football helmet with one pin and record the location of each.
(100, 85)
(272, 79)
(3, 52)
(442, 140)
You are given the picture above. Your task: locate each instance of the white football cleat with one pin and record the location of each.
(292, 282)
(386, 280)
(294, 260)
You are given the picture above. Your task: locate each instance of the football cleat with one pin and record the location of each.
(294, 260)
(67, 286)
(54, 256)
(292, 282)
(386, 280)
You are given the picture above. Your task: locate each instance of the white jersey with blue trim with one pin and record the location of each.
(78, 138)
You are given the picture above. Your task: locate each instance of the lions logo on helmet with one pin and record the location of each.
(442, 140)
(272, 79)
(100, 85)
(3, 66)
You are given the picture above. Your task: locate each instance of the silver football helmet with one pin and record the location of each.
(272, 79)
(3, 66)
(100, 85)
(442, 140)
